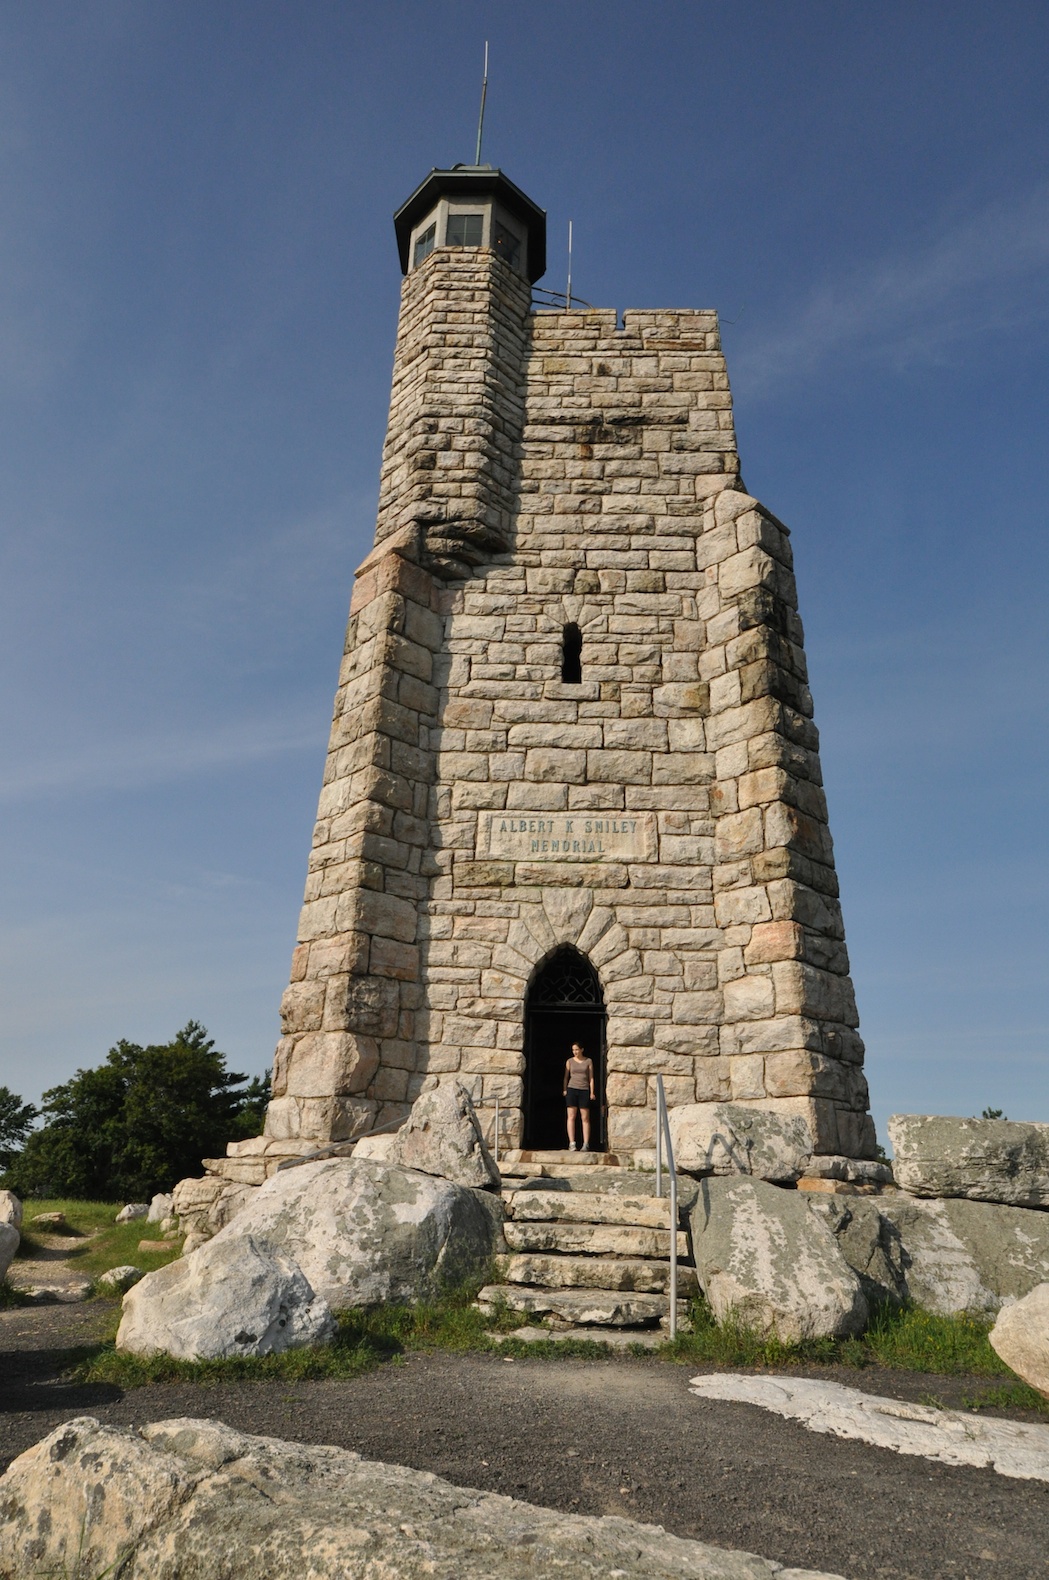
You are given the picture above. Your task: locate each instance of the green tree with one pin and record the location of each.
(16, 1121)
(138, 1123)
(992, 1113)
(251, 1112)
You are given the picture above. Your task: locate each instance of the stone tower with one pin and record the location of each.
(573, 787)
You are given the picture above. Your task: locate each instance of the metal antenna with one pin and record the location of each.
(484, 95)
(568, 293)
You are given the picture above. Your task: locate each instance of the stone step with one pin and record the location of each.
(592, 1239)
(604, 1182)
(611, 1308)
(560, 1158)
(576, 1206)
(591, 1272)
(618, 1338)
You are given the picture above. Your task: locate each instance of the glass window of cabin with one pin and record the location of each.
(424, 244)
(464, 230)
(506, 244)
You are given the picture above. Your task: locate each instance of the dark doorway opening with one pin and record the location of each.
(564, 1005)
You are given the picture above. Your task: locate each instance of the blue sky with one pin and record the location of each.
(198, 292)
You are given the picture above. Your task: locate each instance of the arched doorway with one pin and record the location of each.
(564, 1005)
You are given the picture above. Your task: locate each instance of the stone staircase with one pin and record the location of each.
(589, 1244)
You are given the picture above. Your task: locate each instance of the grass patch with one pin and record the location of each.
(902, 1338)
(103, 1243)
(1010, 1396)
(906, 1338)
(913, 1340)
(734, 1344)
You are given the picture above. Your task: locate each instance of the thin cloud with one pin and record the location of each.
(133, 764)
(980, 275)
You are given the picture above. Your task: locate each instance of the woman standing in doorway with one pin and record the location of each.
(579, 1094)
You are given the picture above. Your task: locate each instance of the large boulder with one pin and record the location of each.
(983, 1159)
(764, 1260)
(965, 1255)
(364, 1232)
(1020, 1337)
(10, 1209)
(228, 1298)
(161, 1207)
(727, 1138)
(181, 1497)
(9, 1241)
(442, 1136)
(869, 1242)
(133, 1211)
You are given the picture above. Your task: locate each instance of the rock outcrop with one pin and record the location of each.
(869, 1242)
(179, 1497)
(10, 1209)
(230, 1297)
(441, 1136)
(118, 1280)
(728, 1138)
(161, 1207)
(947, 1256)
(765, 1260)
(133, 1211)
(954, 1437)
(996, 1160)
(1020, 1337)
(9, 1242)
(364, 1231)
(967, 1255)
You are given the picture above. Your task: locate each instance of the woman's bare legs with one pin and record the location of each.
(585, 1115)
(572, 1114)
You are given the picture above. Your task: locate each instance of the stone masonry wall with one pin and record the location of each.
(539, 469)
(721, 953)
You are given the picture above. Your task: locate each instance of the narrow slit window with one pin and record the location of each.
(572, 655)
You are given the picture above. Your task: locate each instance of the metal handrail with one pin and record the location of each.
(663, 1132)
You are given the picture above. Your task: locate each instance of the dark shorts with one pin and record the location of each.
(574, 1099)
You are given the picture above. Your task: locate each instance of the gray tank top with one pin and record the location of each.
(579, 1074)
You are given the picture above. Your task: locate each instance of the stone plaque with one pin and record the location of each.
(567, 836)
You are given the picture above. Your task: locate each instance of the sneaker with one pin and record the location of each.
(585, 1147)
(572, 1147)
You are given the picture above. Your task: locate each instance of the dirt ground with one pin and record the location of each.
(619, 1436)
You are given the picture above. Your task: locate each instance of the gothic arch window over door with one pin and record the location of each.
(564, 1004)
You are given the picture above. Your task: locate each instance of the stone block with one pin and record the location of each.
(697, 1009)
(725, 1138)
(302, 1006)
(626, 1090)
(384, 914)
(773, 941)
(736, 907)
(390, 959)
(741, 834)
(747, 1076)
(748, 998)
(681, 699)
(619, 767)
(993, 1160)
(802, 989)
(549, 765)
(327, 1062)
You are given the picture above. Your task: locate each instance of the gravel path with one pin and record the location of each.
(622, 1436)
